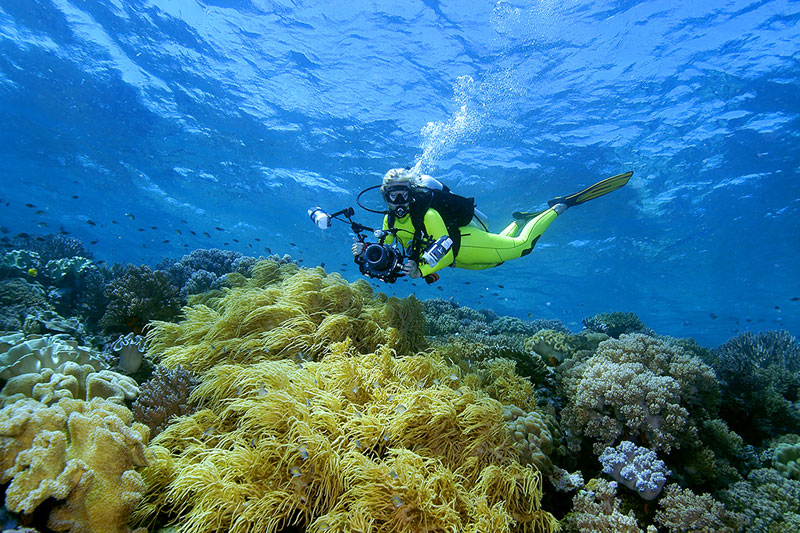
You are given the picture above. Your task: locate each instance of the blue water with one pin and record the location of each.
(240, 115)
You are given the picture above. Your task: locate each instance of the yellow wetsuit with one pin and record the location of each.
(479, 249)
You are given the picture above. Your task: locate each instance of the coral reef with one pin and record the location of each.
(82, 454)
(760, 379)
(596, 508)
(17, 263)
(444, 318)
(641, 388)
(767, 501)
(786, 460)
(51, 246)
(637, 468)
(682, 510)
(24, 355)
(202, 269)
(615, 324)
(138, 296)
(536, 436)
(130, 348)
(286, 312)
(352, 442)
(164, 396)
(69, 380)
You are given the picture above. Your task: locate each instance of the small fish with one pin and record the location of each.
(42, 224)
(30, 205)
(322, 265)
(24, 235)
(712, 316)
(206, 234)
(192, 232)
(235, 240)
(130, 216)
(467, 282)
(91, 223)
(41, 212)
(258, 240)
(74, 196)
(268, 250)
(140, 229)
(219, 229)
(165, 241)
(502, 286)
(93, 242)
(183, 221)
(794, 298)
(178, 231)
(292, 244)
(32, 272)
(225, 243)
(100, 262)
(440, 288)
(114, 222)
(153, 227)
(778, 307)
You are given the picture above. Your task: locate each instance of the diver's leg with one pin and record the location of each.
(510, 230)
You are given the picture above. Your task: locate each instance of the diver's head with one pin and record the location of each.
(396, 190)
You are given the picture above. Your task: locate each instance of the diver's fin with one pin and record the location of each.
(524, 216)
(595, 191)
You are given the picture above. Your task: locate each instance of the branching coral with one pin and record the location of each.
(767, 501)
(164, 396)
(52, 246)
(640, 387)
(286, 312)
(355, 442)
(682, 510)
(83, 454)
(760, 377)
(615, 324)
(137, 297)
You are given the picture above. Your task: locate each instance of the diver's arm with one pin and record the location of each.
(435, 228)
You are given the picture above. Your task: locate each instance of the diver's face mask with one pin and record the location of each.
(398, 198)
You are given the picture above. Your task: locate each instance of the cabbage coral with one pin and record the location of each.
(286, 312)
(355, 442)
(638, 387)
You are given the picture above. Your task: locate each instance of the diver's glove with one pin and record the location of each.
(357, 248)
(411, 269)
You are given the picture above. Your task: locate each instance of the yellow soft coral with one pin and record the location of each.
(352, 442)
(82, 452)
(287, 313)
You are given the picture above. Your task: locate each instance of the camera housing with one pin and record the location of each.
(381, 261)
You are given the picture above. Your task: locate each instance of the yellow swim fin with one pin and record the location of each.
(594, 191)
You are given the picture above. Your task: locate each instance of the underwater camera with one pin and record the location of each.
(381, 261)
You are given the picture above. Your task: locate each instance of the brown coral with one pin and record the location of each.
(164, 396)
(81, 452)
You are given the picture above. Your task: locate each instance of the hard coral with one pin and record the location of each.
(641, 387)
(83, 454)
(615, 324)
(354, 442)
(138, 296)
(760, 377)
(163, 397)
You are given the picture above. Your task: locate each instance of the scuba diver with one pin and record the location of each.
(436, 228)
